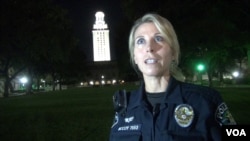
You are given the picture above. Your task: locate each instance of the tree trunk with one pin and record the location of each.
(221, 78)
(38, 84)
(210, 82)
(60, 84)
(248, 56)
(30, 82)
(54, 81)
(6, 87)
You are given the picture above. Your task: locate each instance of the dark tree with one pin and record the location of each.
(33, 33)
(217, 27)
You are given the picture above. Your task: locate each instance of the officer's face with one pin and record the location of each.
(152, 53)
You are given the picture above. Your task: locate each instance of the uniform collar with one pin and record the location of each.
(173, 94)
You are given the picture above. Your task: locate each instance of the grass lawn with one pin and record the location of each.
(81, 114)
(238, 101)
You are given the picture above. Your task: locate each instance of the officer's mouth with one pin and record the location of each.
(150, 61)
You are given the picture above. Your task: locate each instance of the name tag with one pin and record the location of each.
(135, 127)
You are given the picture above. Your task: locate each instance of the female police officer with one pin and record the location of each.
(164, 108)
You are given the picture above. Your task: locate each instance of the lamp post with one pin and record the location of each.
(235, 74)
(23, 80)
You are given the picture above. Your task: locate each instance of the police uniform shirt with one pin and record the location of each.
(187, 112)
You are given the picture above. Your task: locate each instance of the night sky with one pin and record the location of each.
(82, 14)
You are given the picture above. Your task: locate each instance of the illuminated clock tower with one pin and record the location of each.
(101, 45)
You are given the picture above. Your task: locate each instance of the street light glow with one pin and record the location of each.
(24, 80)
(236, 73)
(200, 67)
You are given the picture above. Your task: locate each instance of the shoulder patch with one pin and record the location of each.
(223, 115)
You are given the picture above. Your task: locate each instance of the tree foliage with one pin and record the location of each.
(35, 36)
(217, 28)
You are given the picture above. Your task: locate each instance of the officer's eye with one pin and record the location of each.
(140, 41)
(158, 38)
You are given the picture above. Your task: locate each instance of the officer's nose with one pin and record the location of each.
(150, 46)
(150, 50)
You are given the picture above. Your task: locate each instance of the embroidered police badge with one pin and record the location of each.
(184, 115)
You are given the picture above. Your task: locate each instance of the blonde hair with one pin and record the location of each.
(168, 32)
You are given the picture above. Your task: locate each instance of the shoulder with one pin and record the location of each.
(205, 92)
(120, 100)
(197, 88)
(200, 94)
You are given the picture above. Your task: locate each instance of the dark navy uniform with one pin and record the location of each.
(187, 112)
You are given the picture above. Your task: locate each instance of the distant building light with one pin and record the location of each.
(122, 81)
(91, 83)
(227, 76)
(114, 81)
(103, 82)
(108, 81)
(97, 83)
(42, 80)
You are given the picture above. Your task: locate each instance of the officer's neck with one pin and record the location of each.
(156, 84)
